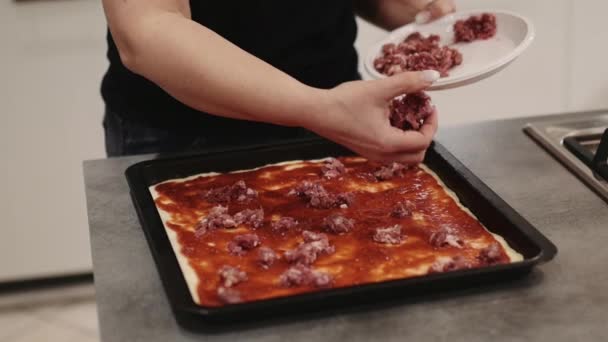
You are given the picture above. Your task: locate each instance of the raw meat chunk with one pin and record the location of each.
(388, 235)
(475, 27)
(231, 276)
(409, 112)
(299, 275)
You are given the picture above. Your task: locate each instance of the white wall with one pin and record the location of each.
(52, 59)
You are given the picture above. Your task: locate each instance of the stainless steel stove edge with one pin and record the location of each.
(550, 134)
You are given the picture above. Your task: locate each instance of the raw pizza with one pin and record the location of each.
(305, 226)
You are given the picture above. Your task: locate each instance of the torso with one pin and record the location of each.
(313, 43)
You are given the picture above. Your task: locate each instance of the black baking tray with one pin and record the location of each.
(491, 210)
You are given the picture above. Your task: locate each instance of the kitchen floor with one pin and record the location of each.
(66, 314)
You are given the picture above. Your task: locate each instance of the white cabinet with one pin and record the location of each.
(52, 60)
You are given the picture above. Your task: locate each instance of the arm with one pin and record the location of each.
(390, 14)
(158, 40)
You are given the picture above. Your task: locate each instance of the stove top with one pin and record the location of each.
(576, 142)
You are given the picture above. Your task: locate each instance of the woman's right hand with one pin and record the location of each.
(357, 117)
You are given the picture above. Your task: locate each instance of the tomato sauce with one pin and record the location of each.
(357, 258)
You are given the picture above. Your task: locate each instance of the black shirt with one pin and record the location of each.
(311, 41)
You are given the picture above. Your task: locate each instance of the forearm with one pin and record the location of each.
(207, 72)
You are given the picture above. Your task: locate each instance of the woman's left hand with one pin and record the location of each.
(391, 14)
(433, 10)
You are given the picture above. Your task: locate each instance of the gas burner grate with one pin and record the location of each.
(591, 150)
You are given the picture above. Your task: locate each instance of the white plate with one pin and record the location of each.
(480, 58)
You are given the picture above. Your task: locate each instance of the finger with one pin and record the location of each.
(385, 157)
(408, 158)
(434, 10)
(370, 155)
(397, 141)
(405, 82)
(439, 8)
(429, 128)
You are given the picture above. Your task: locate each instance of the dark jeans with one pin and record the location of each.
(123, 137)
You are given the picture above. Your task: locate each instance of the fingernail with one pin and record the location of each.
(423, 17)
(430, 75)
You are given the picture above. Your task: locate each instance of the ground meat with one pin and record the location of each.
(317, 197)
(302, 254)
(343, 200)
(490, 254)
(217, 217)
(403, 209)
(237, 192)
(416, 53)
(441, 59)
(445, 264)
(299, 275)
(390, 171)
(253, 217)
(445, 236)
(266, 257)
(308, 251)
(416, 42)
(475, 27)
(332, 168)
(283, 224)
(448, 58)
(230, 276)
(409, 112)
(242, 243)
(228, 295)
(388, 235)
(312, 236)
(314, 193)
(338, 224)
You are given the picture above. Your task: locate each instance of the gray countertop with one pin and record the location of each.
(563, 300)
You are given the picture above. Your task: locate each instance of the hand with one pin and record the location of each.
(433, 10)
(396, 13)
(357, 117)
